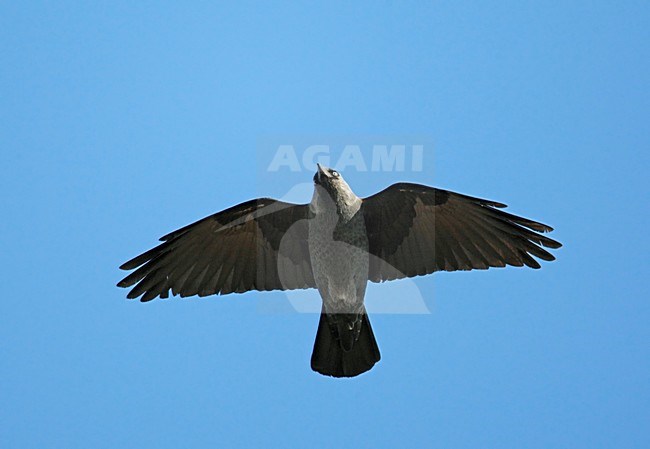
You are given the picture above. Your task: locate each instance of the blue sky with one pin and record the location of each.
(122, 122)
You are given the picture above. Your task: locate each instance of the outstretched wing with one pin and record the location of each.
(415, 230)
(257, 245)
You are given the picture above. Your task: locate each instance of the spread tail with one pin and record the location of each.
(338, 352)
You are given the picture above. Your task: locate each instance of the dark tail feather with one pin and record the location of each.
(330, 359)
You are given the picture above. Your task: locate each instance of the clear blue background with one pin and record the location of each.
(122, 122)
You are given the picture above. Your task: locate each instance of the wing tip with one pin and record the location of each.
(550, 243)
(128, 265)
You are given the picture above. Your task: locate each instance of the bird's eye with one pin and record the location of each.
(335, 173)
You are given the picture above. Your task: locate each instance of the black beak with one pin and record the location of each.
(319, 173)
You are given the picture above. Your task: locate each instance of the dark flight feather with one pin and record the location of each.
(233, 251)
(415, 230)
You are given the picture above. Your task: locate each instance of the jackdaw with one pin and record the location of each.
(337, 243)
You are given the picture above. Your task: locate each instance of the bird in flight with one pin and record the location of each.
(336, 244)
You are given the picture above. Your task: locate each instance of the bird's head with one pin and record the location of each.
(330, 180)
(330, 185)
